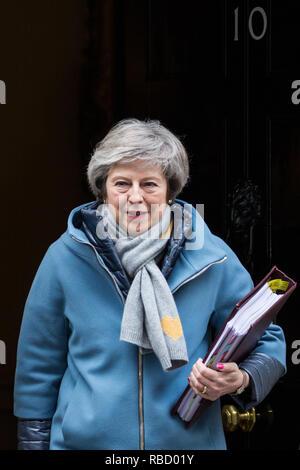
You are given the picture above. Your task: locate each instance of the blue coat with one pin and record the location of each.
(100, 392)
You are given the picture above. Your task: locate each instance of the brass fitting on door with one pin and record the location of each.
(233, 419)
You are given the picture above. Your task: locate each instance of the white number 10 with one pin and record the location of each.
(250, 23)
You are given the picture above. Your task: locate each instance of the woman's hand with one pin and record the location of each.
(215, 383)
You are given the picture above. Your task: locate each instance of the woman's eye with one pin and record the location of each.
(124, 183)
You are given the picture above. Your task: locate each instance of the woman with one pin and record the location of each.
(124, 306)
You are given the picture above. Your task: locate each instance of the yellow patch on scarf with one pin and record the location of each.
(168, 232)
(172, 327)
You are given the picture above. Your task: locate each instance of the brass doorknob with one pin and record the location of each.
(232, 419)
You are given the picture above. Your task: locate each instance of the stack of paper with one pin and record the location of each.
(232, 335)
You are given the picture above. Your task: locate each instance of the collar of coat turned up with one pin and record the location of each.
(87, 219)
(183, 258)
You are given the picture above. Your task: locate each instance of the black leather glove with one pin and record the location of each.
(34, 434)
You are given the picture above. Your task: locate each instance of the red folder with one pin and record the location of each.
(250, 340)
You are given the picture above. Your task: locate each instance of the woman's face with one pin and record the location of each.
(136, 194)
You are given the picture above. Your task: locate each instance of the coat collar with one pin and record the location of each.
(184, 258)
(201, 250)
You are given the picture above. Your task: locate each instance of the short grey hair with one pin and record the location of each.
(132, 139)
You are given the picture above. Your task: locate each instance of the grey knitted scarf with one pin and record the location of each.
(150, 317)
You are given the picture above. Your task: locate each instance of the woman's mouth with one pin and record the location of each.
(135, 214)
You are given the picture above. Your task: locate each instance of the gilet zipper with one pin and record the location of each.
(140, 357)
(102, 265)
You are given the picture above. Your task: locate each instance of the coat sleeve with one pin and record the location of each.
(267, 362)
(42, 345)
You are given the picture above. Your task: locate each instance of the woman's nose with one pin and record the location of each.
(135, 194)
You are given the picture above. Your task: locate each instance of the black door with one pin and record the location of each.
(262, 160)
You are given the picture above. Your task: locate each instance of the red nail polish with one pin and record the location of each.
(220, 366)
(188, 379)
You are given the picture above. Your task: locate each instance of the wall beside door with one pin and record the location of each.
(41, 56)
